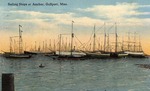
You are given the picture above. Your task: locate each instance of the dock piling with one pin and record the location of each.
(8, 82)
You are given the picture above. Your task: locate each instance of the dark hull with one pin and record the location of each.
(88, 56)
(36, 53)
(17, 56)
(136, 56)
(68, 58)
(118, 55)
(28, 52)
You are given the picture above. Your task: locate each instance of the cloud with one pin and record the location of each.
(65, 18)
(122, 13)
(144, 6)
(39, 21)
(116, 12)
(43, 19)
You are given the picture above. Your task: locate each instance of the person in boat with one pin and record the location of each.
(41, 66)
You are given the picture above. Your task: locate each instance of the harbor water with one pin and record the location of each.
(77, 75)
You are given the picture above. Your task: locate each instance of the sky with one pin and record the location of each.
(47, 22)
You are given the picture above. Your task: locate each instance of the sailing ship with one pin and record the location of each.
(37, 51)
(72, 54)
(12, 54)
(108, 51)
(134, 49)
(117, 53)
(96, 53)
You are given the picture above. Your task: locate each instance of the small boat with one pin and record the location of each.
(41, 66)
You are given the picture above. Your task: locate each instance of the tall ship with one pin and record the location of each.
(108, 51)
(117, 53)
(134, 48)
(72, 54)
(14, 52)
(96, 53)
(41, 49)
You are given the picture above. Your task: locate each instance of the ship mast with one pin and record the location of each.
(54, 46)
(66, 45)
(35, 46)
(134, 41)
(99, 44)
(128, 41)
(116, 37)
(15, 50)
(104, 36)
(39, 48)
(11, 44)
(50, 44)
(108, 42)
(122, 44)
(43, 47)
(72, 36)
(90, 47)
(140, 48)
(20, 40)
(94, 39)
(59, 44)
(25, 46)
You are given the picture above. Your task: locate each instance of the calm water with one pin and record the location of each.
(85, 75)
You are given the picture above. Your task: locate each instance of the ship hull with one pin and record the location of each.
(68, 57)
(97, 55)
(136, 54)
(12, 55)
